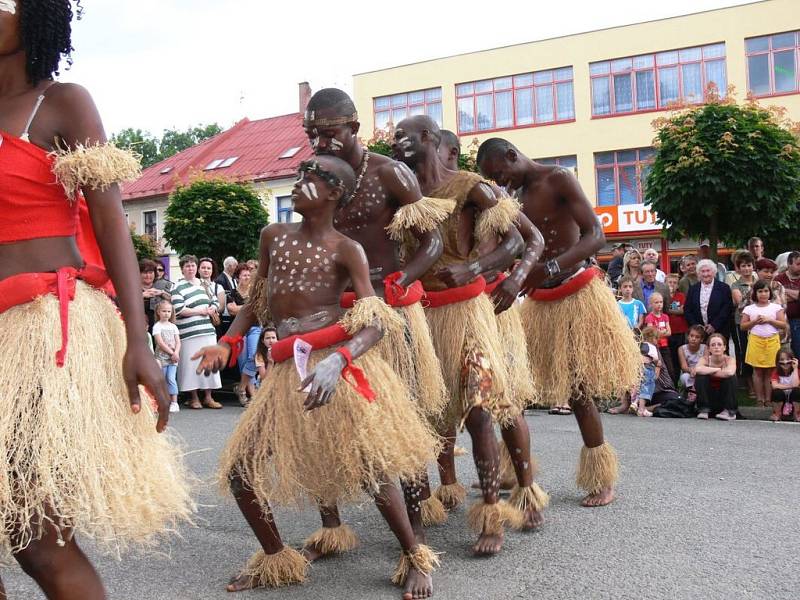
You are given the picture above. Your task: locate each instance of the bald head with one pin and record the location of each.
(330, 103)
(449, 149)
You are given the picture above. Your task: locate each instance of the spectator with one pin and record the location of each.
(790, 280)
(732, 277)
(704, 253)
(253, 264)
(755, 245)
(168, 349)
(650, 255)
(677, 322)
(615, 266)
(709, 302)
(263, 360)
(161, 276)
(688, 267)
(741, 292)
(632, 308)
(659, 320)
(152, 294)
(632, 264)
(642, 396)
(765, 269)
(227, 279)
(205, 271)
(715, 381)
(648, 285)
(764, 319)
(781, 261)
(785, 387)
(689, 356)
(247, 366)
(194, 306)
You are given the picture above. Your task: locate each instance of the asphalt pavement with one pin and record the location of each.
(705, 510)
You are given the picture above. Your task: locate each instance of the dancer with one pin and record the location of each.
(78, 441)
(565, 297)
(503, 289)
(462, 322)
(386, 208)
(342, 439)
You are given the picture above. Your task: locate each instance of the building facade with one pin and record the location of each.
(587, 101)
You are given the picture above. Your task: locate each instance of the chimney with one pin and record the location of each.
(305, 96)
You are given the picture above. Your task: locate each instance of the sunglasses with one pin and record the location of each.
(784, 362)
(160, 269)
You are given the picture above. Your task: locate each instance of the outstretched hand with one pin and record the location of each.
(212, 358)
(323, 380)
(139, 366)
(504, 295)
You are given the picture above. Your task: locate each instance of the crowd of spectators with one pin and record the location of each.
(708, 327)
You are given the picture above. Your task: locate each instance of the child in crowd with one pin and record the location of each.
(641, 397)
(715, 381)
(657, 319)
(785, 387)
(168, 348)
(632, 308)
(689, 356)
(677, 322)
(263, 359)
(764, 319)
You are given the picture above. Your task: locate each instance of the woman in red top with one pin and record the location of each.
(76, 454)
(677, 322)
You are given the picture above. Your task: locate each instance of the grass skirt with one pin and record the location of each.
(580, 347)
(522, 391)
(334, 453)
(462, 332)
(75, 453)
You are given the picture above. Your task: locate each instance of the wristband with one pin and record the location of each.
(361, 384)
(236, 343)
(552, 268)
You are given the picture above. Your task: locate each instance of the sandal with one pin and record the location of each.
(193, 404)
(243, 400)
(211, 404)
(564, 410)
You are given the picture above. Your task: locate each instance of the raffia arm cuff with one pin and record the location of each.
(598, 468)
(285, 567)
(497, 220)
(423, 559)
(372, 311)
(96, 167)
(423, 215)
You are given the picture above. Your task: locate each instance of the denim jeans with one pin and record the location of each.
(247, 359)
(169, 375)
(794, 327)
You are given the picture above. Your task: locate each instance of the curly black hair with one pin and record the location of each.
(46, 29)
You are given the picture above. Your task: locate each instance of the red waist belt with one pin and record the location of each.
(395, 295)
(24, 287)
(577, 283)
(455, 295)
(490, 287)
(321, 338)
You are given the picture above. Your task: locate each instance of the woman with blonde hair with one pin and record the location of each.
(632, 265)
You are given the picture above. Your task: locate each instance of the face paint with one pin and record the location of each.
(336, 145)
(9, 6)
(312, 189)
(306, 191)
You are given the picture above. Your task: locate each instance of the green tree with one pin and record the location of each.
(172, 141)
(215, 217)
(144, 245)
(725, 172)
(141, 142)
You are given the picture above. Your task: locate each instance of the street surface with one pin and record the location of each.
(705, 510)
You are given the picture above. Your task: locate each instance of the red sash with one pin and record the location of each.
(394, 295)
(321, 338)
(574, 285)
(435, 299)
(24, 287)
(490, 287)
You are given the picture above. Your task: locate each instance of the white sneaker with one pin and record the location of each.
(173, 407)
(703, 414)
(725, 416)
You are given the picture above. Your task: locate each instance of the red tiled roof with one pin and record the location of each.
(257, 144)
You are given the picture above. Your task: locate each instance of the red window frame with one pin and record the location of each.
(559, 160)
(770, 51)
(702, 61)
(513, 90)
(615, 167)
(408, 105)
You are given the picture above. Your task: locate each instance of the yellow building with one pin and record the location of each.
(587, 100)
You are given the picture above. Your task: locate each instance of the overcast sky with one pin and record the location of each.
(156, 64)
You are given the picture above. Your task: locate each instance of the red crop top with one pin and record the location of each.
(32, 202)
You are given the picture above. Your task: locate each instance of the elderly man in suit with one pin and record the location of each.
(708, 302)
(649, 284)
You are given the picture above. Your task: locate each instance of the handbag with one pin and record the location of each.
(215, 318)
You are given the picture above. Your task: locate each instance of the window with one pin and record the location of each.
(621, 175)
(285, 210)
(516, 101)
(150, 219)
(290, 152)
(568, 162)
(220, 163)
(165, 170)
(654, 81)
(772, 64)
(395, 108)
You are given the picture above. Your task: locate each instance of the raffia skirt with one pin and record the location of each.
(522, 389)
(76, 456)
(334, 453)
(580, 347)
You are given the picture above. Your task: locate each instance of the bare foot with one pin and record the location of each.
(619, 410)
(242, 582)
(312, 552)
(417, 585)
(533, 519)
(488, 545)
(602, 498)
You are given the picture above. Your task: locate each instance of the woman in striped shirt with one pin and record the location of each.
(193, 309)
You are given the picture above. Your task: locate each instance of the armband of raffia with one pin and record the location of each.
(424, 215)
(96, 167)
(258, 301)
(497, 220)
(372, 311)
